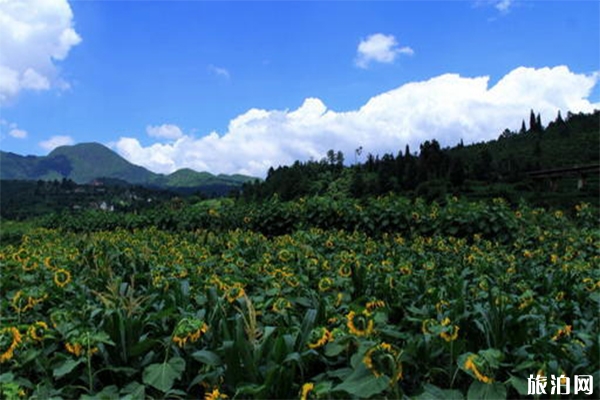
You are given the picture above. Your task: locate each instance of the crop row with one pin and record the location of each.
(494, 219)
(316, 313)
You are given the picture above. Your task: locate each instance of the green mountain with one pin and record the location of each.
(86, 162)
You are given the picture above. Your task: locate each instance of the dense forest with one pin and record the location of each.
(497, 168)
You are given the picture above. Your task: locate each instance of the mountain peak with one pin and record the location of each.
(86, 146)
(85, 162)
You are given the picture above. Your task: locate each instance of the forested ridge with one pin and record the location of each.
(495, 168)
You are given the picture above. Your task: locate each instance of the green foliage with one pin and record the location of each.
(495, 218)
(162, 376)
(461, 300)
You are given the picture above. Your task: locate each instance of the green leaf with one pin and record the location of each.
(162, 376)
(295, 356)
(341, 373)
(323, 388)
(7, 377)
(208, 358)
(141, 347)
(519, 384)
(484, 391)
(525, 366)
(432, 392)
(334, 348)
(492, 356)
(362, 383)
(108, 393)
(66, 367)
(134, 391)
(392, 333)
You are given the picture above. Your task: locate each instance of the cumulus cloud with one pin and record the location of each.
(379, 48)
(34, 34)
(165, 131)
(448, 108)
(56, 141)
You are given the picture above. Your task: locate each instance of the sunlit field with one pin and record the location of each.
(448, 308)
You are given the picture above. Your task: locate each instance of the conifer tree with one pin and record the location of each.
(532, 122)
(523, 128)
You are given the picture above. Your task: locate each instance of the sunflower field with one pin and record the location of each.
(437, 306)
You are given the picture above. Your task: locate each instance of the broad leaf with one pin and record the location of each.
(433, 392)
(162, 376)
(207, 357)
(485, 391)
(66, 367)
(362, 383)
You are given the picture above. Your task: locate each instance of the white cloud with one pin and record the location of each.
(34, 34)
(379, 48)
(165, 131)
(219, 71)
(56, 141)
(503, 5)
(13, 129)
(18, 133)
(447, 108)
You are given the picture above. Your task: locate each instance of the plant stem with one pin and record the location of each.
(451, 361)
(89, 365)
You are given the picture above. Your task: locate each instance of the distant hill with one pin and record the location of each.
(86, 162)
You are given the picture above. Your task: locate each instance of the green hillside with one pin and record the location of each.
(89, 161)
(187, 177)
(86, 162)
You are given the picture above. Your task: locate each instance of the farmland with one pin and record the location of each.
(287, 300)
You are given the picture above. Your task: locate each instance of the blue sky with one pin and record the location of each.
(240, 86)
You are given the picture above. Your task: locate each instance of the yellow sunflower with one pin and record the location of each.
(325, 284)
(74, 348)
(375, 304)
(453, 334)
(562, 332)
(360, 324)
(188, 329)
(383, 359)
(441, 306)
(470, 365)
(215, 395)
(345, 271)
(280, 305)
(235, 292)
(62, 277)
(37, 330)
(319, 337)
(426, 326)
(306, 389)
(12, 335)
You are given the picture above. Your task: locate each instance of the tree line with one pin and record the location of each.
(433, 171)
